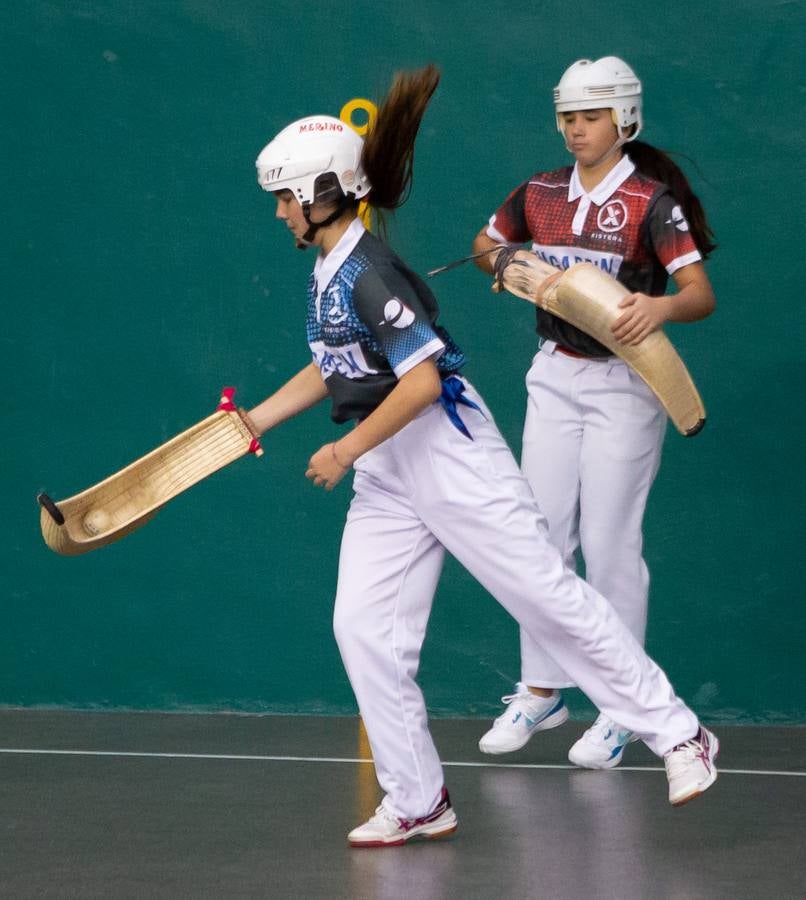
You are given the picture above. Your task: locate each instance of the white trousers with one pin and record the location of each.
(429, 489)
(592, 444)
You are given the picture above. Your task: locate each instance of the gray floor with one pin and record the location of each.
(150, 805)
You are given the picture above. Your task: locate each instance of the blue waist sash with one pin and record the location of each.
(453, 389)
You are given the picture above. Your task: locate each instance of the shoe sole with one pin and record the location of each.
(608, 764)
(399, 842)
(558, 718)
(703, 787)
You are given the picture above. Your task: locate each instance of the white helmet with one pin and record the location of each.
(607, 83)
(317, 158)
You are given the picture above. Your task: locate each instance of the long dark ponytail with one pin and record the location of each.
(388, 154)
(656, 164)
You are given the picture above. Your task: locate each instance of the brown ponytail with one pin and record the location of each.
(658, 165)
(388, 155)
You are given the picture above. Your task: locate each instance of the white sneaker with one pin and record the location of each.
(385, 829)
(690, 767)
(527, 713)
(602, 745)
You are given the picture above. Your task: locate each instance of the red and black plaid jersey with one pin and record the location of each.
(629, 225)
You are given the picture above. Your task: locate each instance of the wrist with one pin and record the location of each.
(338, 457)
(667, 306)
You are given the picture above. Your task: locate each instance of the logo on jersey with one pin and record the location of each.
(348, 360)
(612, 216)
(397, 314)
(678, 219)
(337, 313)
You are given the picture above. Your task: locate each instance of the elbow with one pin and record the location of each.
(709, 304)
(422, 385)
(434, 387)
(430, 386)
(708, 298)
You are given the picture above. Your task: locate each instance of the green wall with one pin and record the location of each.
(142, 270)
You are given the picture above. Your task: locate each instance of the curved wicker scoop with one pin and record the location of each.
(589, 298)
(126, 500)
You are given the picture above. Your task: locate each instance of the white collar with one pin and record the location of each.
(326, 267)
(606, 187)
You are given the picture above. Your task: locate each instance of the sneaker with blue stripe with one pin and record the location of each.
(602, 745)
(526, 714)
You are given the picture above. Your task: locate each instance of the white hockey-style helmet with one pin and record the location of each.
(318, 158)
(606, 83)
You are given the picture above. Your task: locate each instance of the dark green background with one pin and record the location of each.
(143, 270)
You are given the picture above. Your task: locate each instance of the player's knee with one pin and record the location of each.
(601, 553)
(350, 625)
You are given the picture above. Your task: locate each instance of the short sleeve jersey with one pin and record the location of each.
(370, 320)
(629, 225)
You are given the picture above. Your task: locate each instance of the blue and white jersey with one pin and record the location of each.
(370, 320)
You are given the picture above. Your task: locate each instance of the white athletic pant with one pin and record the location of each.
(592, 443)
(429, 489)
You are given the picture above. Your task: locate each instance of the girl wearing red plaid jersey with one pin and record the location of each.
(593, 430)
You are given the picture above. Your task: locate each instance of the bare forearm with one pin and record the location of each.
(481, 243)
(415, 391)
(643, 314)
(690, 304)
(299, 393)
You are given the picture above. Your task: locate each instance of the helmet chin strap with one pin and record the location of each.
(307, 239)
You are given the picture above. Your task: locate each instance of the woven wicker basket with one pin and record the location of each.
(589, 298)
(126, 500)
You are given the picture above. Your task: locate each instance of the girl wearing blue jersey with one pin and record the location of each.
(432, 473)
(593, 432)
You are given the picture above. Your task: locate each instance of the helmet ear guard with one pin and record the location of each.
(328, 189)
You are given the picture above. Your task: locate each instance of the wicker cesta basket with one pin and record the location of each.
(126, 500)
(589, 298)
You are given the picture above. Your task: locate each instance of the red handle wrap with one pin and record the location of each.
(226, 402)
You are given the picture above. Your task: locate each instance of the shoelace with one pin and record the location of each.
(602, 725)
(383, 815)
(508, 698)
(603, 729)
(384, 818)
(524, 701)
(683, 755)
